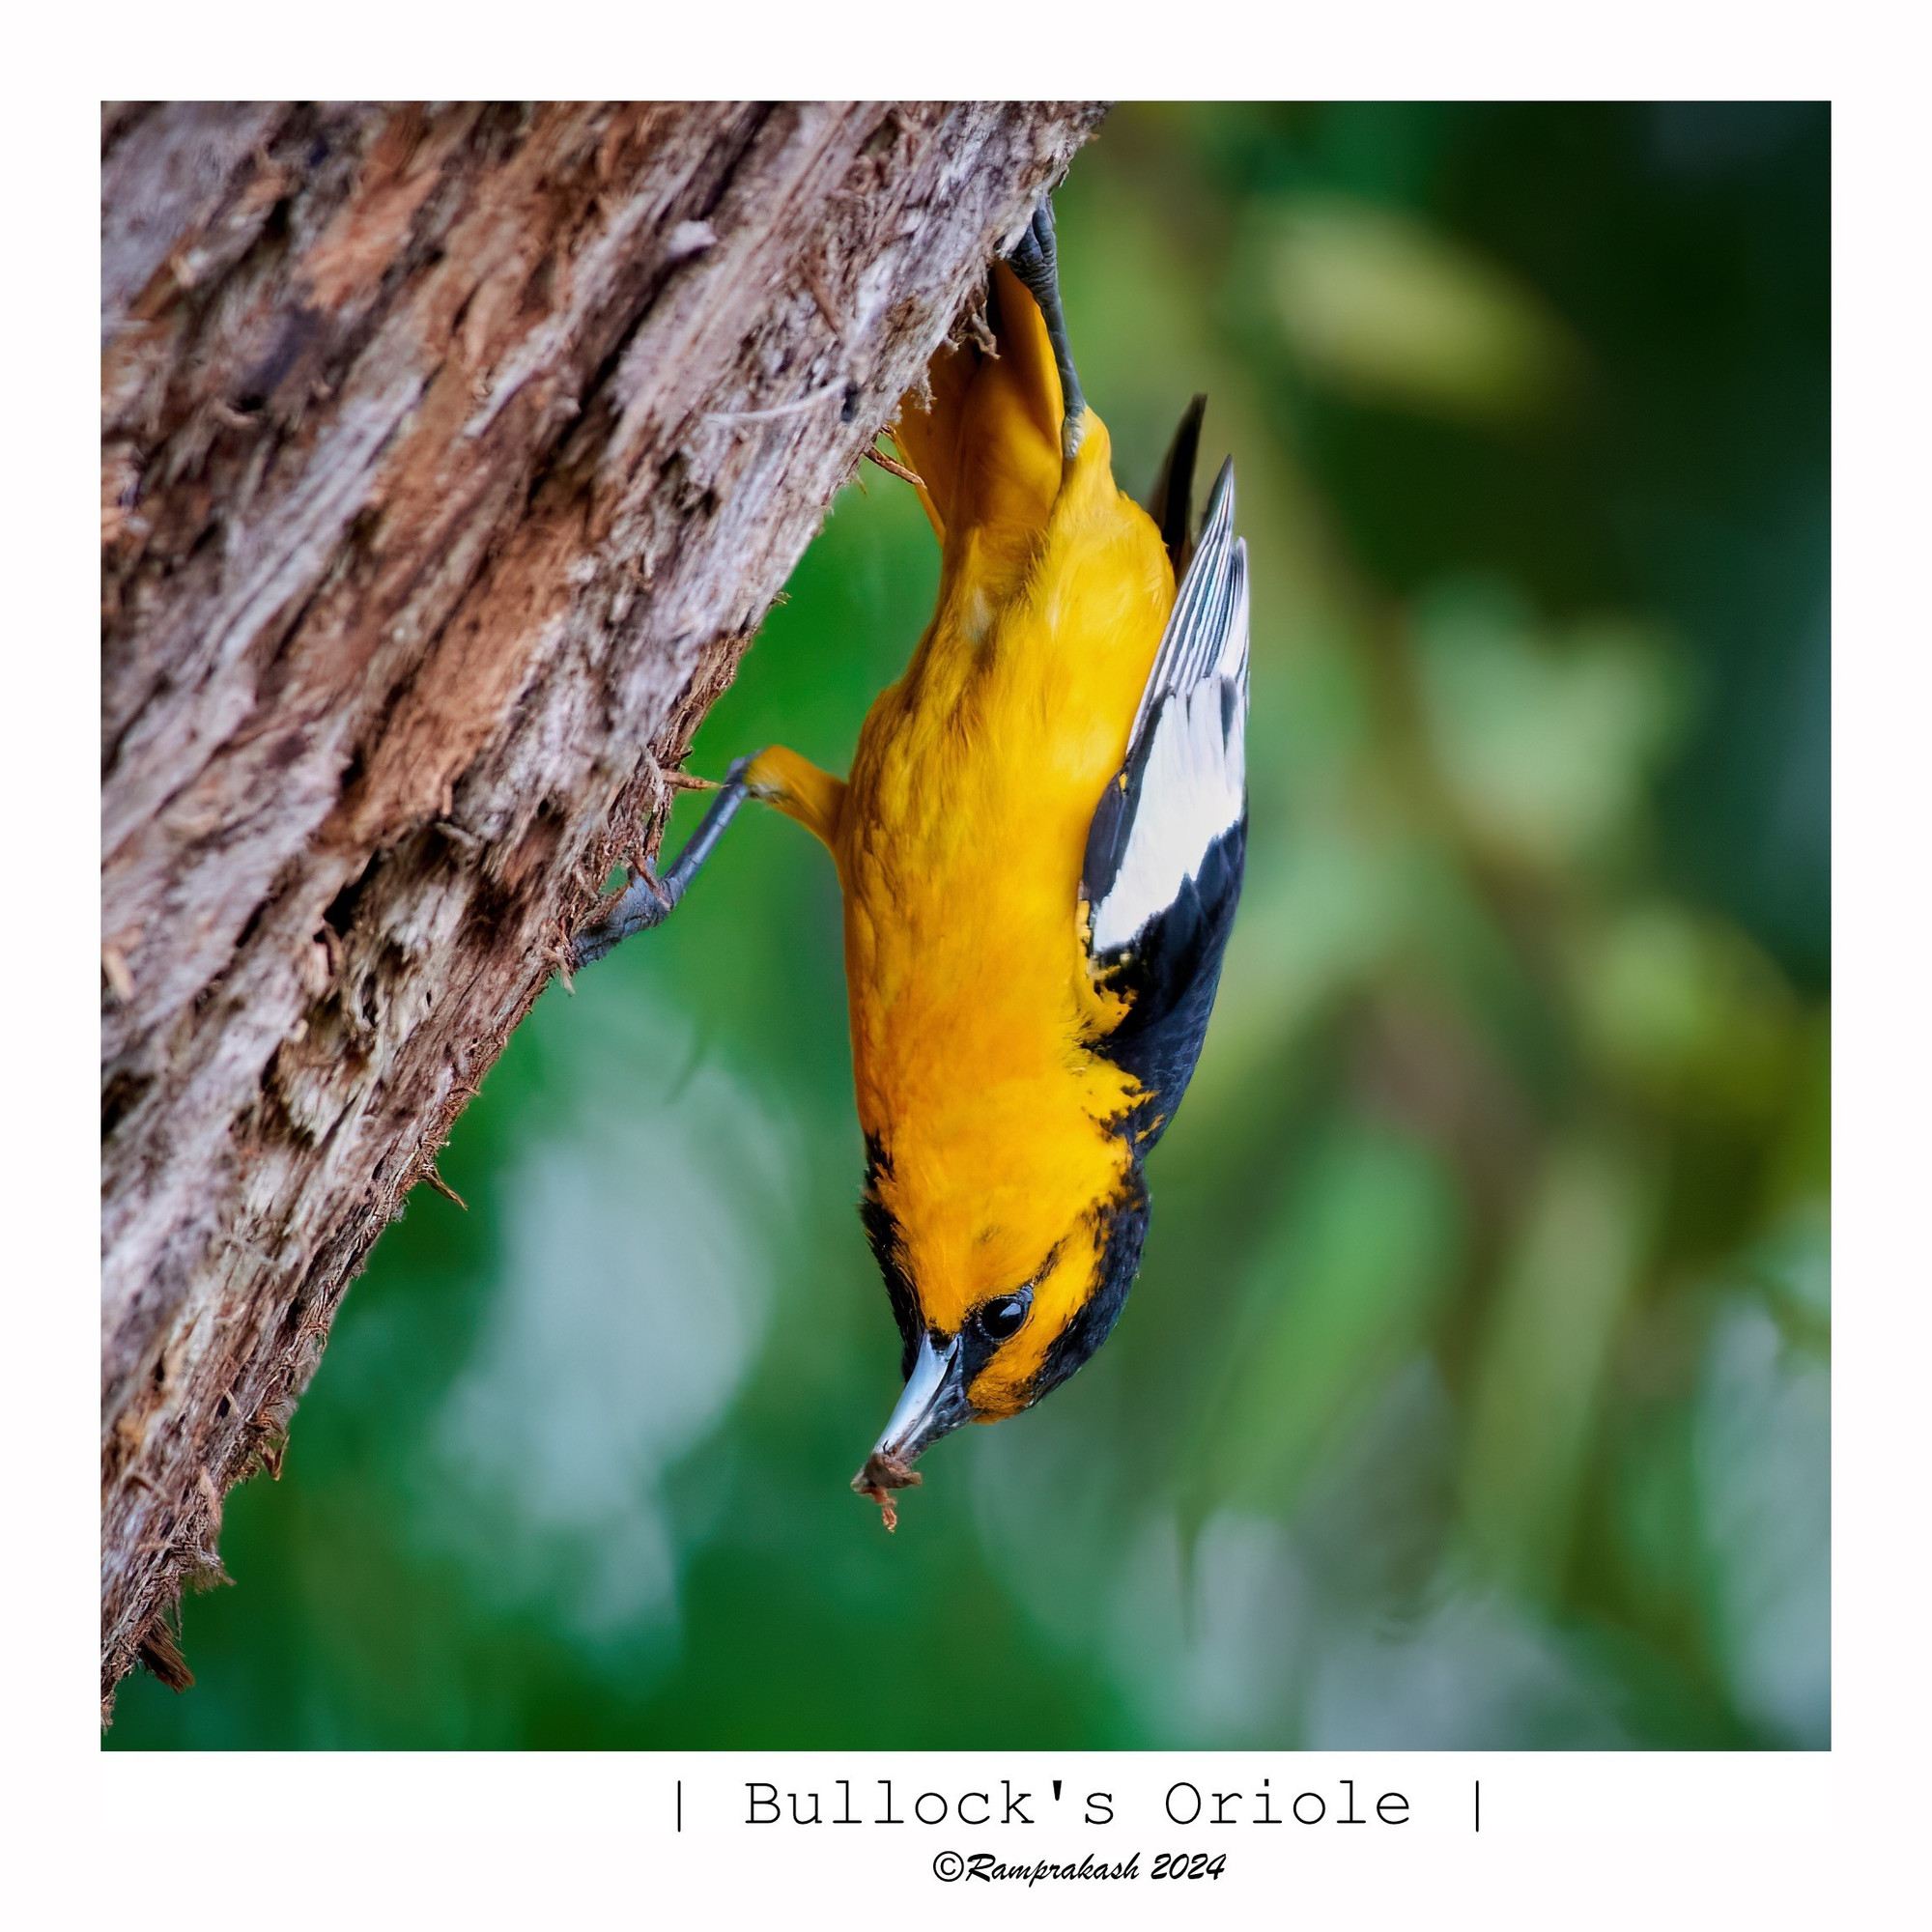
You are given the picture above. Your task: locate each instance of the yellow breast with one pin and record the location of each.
(959, 847)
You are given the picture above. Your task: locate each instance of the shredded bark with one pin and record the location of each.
(893, 467)
(450, 458)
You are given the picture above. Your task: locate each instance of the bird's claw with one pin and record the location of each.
(631, 911)
(647, 900)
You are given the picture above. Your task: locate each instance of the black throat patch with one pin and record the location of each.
(889, 1251)
(1122, 1227)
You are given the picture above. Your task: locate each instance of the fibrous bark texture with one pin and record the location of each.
(450, 456)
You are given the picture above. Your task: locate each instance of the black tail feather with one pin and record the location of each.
(1171, 503)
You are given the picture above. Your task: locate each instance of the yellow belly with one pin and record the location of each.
(959, 844)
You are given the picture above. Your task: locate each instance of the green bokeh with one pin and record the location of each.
(1475, 1392)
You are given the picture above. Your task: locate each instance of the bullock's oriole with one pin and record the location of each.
(1040, 848)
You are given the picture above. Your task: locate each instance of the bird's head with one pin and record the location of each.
(994, 1312)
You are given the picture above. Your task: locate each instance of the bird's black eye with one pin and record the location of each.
(1001, 1317)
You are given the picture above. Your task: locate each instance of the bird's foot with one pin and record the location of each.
(648, 900)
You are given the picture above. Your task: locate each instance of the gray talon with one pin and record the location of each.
(648, 900)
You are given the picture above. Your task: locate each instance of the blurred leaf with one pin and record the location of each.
(1318, 915)
(1546, 745)
(1800, 1167)
(618, 1335)
(1533, 1406)
(1683, 1008)
(1654, 1510)
(1792, 1266)
(1340, 1293)
(1764, 1485)
(1393, 311)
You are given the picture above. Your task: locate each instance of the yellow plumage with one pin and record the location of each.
(1070, 726)
(960, 837)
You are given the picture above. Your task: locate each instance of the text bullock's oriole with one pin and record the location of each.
(1040, 846)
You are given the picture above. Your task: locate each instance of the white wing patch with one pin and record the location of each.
(1186, 769)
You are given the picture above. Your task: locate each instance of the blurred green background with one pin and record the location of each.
(1476, 1390)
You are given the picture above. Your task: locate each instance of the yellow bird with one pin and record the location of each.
(1040, 848)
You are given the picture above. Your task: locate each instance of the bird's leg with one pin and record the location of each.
(1035, 261)
(647, 902)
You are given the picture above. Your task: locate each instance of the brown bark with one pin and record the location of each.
(450, 456)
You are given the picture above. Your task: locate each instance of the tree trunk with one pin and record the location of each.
(450, 456)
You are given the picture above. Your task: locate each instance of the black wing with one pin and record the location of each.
(1165, 852)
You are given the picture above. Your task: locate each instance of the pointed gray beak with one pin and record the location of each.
(933, 1403)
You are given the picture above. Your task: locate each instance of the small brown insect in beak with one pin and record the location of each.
(879, 1478)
